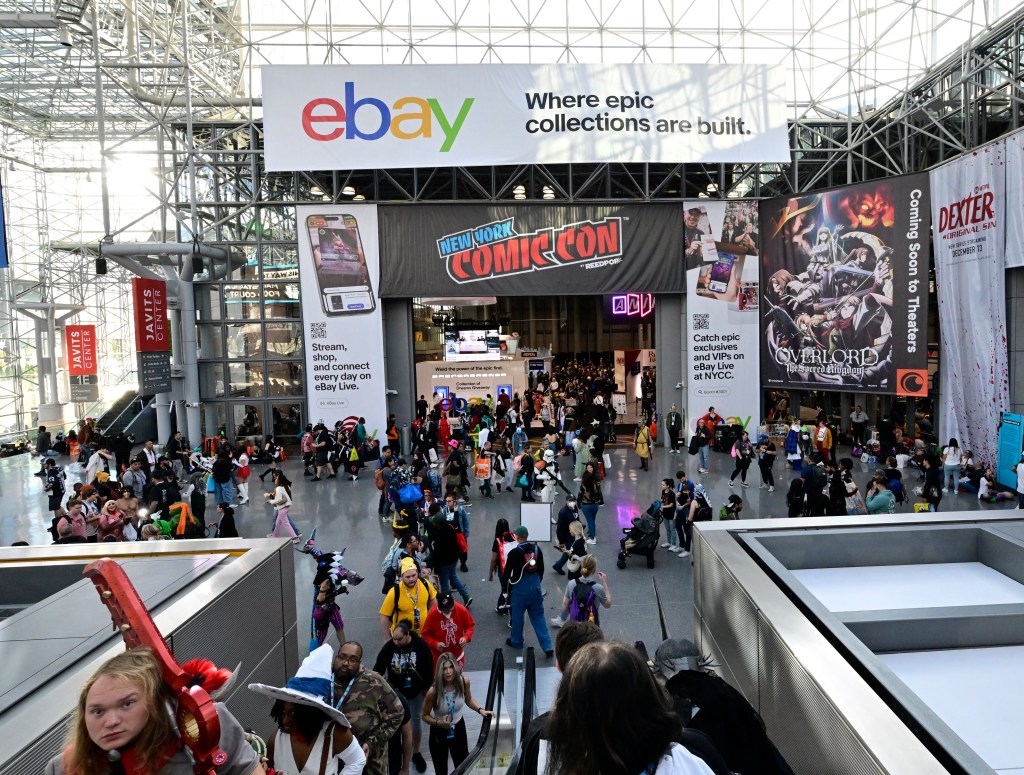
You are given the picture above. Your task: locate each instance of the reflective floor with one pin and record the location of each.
(345, 515)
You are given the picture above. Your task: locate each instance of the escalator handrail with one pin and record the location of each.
(494, 684)
(529, 693)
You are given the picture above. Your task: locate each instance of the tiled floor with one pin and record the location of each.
(345, 514)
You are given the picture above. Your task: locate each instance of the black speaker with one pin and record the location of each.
(101, 266)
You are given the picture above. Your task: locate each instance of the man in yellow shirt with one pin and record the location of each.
(410, 599)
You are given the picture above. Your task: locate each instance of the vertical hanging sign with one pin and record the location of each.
(152, 335)
(82, 363)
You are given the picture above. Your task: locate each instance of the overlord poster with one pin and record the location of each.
(341, 316)
(845, 278)
(969, 207)
(721, 245)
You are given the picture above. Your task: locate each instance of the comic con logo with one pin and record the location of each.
(496, 250)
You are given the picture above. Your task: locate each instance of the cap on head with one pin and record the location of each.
(408, 564)
(521, 531)
(446, 602)
(570, 498)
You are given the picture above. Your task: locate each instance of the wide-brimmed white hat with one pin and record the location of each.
(311, 685)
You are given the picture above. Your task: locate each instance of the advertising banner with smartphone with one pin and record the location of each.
(845, 278)
(970, 211)
(527, 250)
(327, 117)
(341, 319)
(722, 298)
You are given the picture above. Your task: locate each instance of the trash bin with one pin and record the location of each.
(405, 440)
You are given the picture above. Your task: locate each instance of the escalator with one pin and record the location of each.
(126, 413)
(500, 739)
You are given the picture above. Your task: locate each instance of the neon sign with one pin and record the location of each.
(633, 305)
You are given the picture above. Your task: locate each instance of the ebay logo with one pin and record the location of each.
(369, 118)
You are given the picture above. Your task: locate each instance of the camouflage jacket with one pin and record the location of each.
(375, 713)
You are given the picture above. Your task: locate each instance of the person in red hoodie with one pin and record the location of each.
(448, 627)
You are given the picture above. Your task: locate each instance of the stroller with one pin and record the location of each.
(642, 538)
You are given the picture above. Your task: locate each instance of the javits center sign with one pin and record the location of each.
(529, 250)
(326, 117)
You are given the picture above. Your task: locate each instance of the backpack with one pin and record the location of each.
(183, 522)
(583, 606)
(378, 479)
(897, 490)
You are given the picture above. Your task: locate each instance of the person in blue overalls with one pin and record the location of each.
(524, 571)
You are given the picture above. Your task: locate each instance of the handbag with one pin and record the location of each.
(461, 542)
(483, 468)
(211, 486)
(432, 454)
(572, 564)
(522, 481)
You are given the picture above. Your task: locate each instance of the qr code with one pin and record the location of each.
(701, 322)
(318, 330)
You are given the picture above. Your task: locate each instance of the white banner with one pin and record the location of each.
(341, 316)
(722, 301)
(968, 197)
(326, 117)
(1014, 253)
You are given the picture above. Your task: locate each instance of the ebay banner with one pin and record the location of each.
(341, 318)
(722, 301)
(968, 208)
(327, 117)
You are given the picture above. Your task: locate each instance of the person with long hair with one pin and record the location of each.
(743, 453)
(950, 458)
(271, 453)
(611, 717)
(123, 713)
(281, 500)
(590, 499)
(443, 709)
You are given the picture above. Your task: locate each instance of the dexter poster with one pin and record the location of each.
(845, 279)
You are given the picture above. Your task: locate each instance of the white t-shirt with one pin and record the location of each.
(951, 456)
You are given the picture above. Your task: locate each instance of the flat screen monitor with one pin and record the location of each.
(481, 344)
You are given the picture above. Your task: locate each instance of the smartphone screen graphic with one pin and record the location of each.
(721, 273)
(340, 263)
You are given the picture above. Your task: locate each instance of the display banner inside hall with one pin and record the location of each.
(845, 279)
(328, 117)
(342, 329)
(529, 250)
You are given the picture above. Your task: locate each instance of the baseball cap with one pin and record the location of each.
(570, 498)
(521, 531)
(445, 601)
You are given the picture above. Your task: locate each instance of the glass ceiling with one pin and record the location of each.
(843, 57)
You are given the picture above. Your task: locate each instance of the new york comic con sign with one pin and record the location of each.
(452, 250)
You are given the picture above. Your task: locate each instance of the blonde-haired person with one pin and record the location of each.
(443, 708)
(124, 708)
(591, 581)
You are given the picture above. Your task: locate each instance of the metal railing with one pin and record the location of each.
(494, 702)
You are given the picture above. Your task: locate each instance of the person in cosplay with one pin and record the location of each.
(312, 737)
(123, 723)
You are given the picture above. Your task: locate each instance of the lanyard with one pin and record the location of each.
(348, 688)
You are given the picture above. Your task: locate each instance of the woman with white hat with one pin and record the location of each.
(313, 737)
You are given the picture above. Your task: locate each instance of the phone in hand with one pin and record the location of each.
(340, 264)
(721, 273)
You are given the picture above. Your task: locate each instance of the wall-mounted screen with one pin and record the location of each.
(481, 344)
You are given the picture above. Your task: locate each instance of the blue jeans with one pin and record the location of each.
(704, 456)
(527, 599)
(670, 532)
(590, 514)
(448, 578)
(561, 561)
(223, 493)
